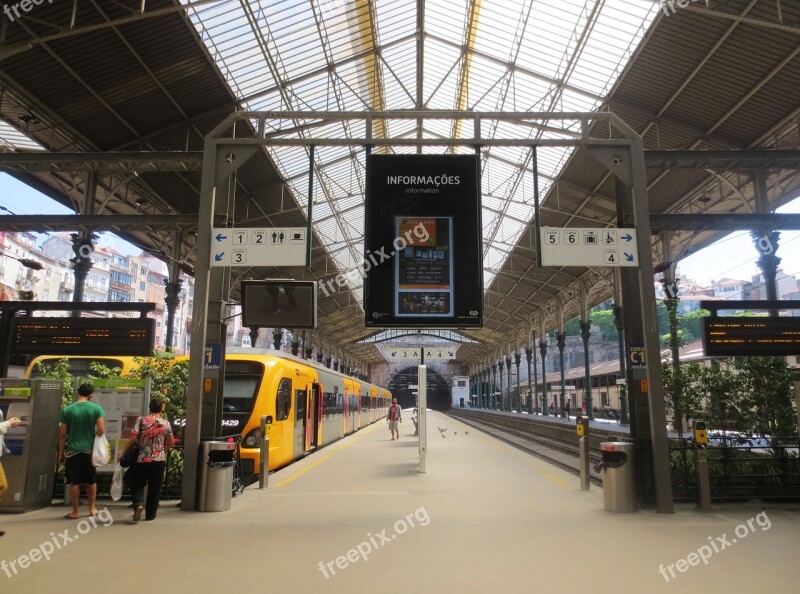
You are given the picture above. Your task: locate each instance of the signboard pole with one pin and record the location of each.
(310, 203)
(422, 416)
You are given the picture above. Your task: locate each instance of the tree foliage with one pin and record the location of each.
(753, 397)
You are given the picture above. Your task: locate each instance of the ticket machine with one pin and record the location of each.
(32, 447)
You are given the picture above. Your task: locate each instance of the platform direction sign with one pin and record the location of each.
(560, 246)
(265, 246)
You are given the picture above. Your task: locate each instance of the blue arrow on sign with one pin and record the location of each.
(394, 353)
(628, 257)
(218, 257)
(221, 237)
(627, 237)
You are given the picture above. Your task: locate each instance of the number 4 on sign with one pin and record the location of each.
(610, 256)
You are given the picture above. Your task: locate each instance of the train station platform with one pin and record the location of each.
(358, 517)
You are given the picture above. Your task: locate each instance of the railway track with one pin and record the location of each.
(552, 440)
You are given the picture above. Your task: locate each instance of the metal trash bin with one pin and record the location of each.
(217, 460)
(619, 487)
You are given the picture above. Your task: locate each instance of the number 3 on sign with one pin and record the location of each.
(239, 257)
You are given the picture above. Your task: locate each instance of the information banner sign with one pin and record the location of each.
(423, 218)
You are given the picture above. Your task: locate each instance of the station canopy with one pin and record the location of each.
(158, 75)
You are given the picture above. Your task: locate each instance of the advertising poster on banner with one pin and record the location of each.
(123, 400)
(423, 219)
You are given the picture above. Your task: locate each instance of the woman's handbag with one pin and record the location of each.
(130, 456)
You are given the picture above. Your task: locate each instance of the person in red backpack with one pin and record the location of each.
(394, 417)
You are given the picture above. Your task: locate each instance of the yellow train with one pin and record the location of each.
(309, 404)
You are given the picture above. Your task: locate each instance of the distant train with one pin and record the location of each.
(309, 404)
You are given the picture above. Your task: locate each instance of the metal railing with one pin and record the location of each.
(739, 467)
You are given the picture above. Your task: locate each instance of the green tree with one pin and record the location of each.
(168, 380)
(60, 371)
(691, 323)
(604, 319)
(765, 405)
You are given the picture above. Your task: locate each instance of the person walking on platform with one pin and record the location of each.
(566, 408)
(4, 428)
(394, 417)
(153, 433)
(78, 424)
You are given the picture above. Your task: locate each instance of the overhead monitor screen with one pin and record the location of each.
(279, 304)
(423, 261)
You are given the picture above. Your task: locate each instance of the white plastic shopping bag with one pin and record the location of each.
(100, 454)
(116, 482)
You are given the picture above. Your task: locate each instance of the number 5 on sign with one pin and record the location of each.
(552, 237)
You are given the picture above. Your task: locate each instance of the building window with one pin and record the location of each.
(141, 286)
(121, 278)
(143, 270)
(119, 296)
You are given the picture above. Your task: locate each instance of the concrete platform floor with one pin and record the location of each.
(484, 518)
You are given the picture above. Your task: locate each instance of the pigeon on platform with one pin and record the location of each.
(441, 430)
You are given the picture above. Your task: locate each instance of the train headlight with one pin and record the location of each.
(252, 439)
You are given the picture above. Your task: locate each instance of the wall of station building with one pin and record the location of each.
(381, 373)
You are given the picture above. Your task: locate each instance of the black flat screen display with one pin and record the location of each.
(279, 304)
(423, 254)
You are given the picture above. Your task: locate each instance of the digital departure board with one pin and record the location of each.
(423, 261)
(83, 336)
(751, 336)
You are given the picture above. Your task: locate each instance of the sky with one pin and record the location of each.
(732, 257)
(20, 199)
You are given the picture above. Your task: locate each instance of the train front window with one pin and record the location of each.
(242, 379)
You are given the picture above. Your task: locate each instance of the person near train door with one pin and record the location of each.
(394, 417)
(153, 433)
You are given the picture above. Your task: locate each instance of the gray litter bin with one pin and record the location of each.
(619, 488)
(217, 459)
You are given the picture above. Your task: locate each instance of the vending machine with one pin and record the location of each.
(31, 449)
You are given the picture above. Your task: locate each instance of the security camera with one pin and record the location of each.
(616, 159)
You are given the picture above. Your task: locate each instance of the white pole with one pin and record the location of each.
(421, 416)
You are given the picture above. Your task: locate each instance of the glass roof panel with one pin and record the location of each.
(335, 55)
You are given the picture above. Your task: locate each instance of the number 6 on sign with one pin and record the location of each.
(572, 237)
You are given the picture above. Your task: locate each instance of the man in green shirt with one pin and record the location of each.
(78, 425)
